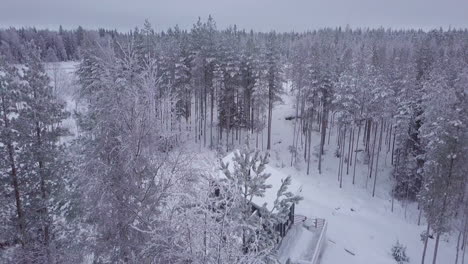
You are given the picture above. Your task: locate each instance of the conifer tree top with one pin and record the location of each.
(274, 181)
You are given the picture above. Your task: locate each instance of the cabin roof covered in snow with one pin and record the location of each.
(275, 180)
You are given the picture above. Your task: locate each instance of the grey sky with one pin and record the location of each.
(261, 15)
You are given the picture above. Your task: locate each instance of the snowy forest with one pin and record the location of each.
(133, 179)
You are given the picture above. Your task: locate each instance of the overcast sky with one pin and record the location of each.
(263, 15)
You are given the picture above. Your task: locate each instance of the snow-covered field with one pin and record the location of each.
(357, 222)
(63, 79)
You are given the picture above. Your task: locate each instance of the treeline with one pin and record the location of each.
(61, 45)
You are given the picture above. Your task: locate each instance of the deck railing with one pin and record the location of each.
(321, 241)
(318, 224)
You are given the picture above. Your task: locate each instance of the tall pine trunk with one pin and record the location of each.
(342, 156)
(295, 126)
(436, 248)
(464, 240)
(270, 113)
(371, 162)
(309, 139)
(14, 177)
(356, 154)
(211, 117)
(323, 131)
(351, 133)
(426, 240)
(458, 246)
(377, 159)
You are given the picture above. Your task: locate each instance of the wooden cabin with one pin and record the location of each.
(281, 228)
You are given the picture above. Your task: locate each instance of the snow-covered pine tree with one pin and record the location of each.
(13, 218)
(41, 116)
(246, 179)
(399, 253)
(35, 161)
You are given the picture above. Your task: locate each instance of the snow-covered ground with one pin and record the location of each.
(357, 222)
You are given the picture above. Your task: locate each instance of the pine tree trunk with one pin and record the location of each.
(393, 146)
(390, 138)
(386, 129)
(309, 147)
(426, 239)
(196, 116)
(309, 140)
(339, 140)
(253, 116)
(349, 150)
(436, 249)
(458, 246)
(232, 139)
(211, 118)
(368, 134)
(464, 241)
(352, 147)
(298, 134)
(377, 159)
(204, 116)
(306, 126)
(228, 120)
(331, 128)
(356, 154)
(343, 147)
(364, 136)
(295, 125)
(14, 177)
(323, 133)
(319, 118)
(301, 124)
(263, 132)
(270, 113)
(371, 162)
(256, 140)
